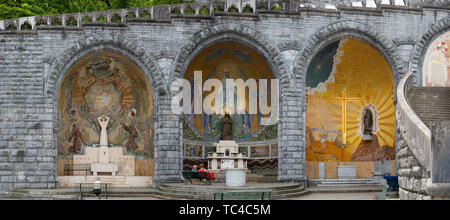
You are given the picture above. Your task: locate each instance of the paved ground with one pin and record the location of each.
(220, 185)
(338, 196)
(316, 193)
(311, 196)
(344, 193)
(124, 198)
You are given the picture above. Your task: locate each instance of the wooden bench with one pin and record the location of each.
(192, 175)
(88, 188)
(243, 195)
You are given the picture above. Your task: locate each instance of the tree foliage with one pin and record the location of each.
(24, 8)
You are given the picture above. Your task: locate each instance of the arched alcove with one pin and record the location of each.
(345, 78)
(109, 84)
(231, 60)
(436, 63)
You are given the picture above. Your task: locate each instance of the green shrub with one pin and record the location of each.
(204, 11)
(86, 19)
(56, 22)
(71, 22)
(145, 14)
(247, 9)
(189, 10)
(233, 9)
(11, 27)
(116, 18)
(101, 19)
(276, 7)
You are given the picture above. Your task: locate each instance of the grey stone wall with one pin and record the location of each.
(27, 154)
(413, 178)
(439, 186)
(33, 61)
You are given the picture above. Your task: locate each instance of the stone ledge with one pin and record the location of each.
(16, 32)
(438, 189)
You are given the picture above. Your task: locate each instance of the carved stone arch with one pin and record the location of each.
(341, 30)
(109, 43)
(89, 44)
(420, 49)
(230, 31)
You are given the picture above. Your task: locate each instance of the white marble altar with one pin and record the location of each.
(104, 168)
(106, 159)
(227, 156)
(124, 164)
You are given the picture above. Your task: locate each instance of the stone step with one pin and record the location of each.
(344, 189)
(206, 192)
(347, 182)
(343, 185)
(106, 178)
(351, 182)
(179, 195)
(209, 193)
(116, 181)
(431, 104)
(191, 187)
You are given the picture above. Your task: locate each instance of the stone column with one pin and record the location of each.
(168, 144)
(291, 156)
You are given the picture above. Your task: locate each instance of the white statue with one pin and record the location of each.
(103, 121)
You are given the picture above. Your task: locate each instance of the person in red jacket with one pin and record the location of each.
(202, 169)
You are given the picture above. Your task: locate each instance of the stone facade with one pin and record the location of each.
(33, 62)
(439, 186)
(413, 178)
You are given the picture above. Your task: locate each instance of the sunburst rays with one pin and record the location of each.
(374, 90)
(385, 119)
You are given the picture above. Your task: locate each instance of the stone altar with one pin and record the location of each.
(227, 156)
(124, 164)
(105, 159)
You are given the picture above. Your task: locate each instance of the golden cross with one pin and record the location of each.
(344, 101)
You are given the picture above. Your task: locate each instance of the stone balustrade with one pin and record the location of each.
(413, 131)
(208, 8)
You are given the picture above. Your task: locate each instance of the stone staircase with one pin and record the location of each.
(116, 181)
(206, 192)
(170, 191)
(431, 104)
